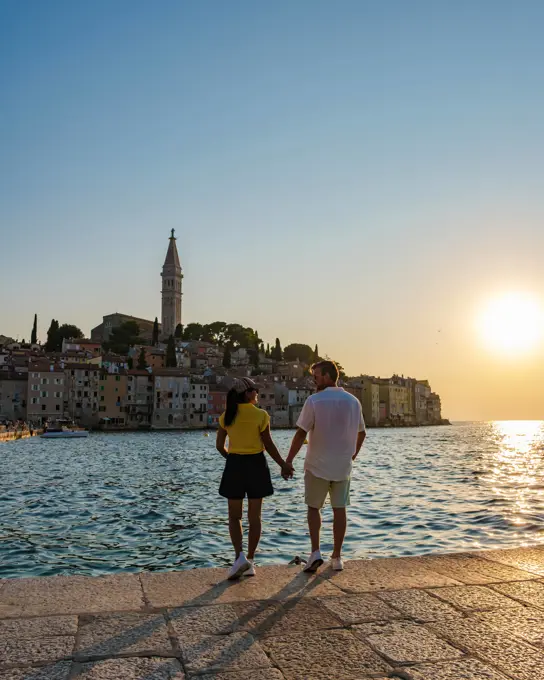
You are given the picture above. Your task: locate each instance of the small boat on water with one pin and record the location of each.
(63, 429)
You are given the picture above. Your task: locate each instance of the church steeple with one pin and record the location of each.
(171, 289)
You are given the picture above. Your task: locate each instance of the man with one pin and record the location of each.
(332, 419)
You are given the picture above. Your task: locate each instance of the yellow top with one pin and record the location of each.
(245, 432)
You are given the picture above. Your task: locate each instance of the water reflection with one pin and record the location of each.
(516, 476)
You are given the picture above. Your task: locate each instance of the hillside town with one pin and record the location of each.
(135, 374)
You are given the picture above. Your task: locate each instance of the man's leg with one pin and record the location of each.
(339, 530)
(235, 523)
(254, 518)
(339, 493)
(314, 525)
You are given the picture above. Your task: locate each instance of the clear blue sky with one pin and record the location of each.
(357, 174)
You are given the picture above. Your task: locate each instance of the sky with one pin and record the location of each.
(362, 175)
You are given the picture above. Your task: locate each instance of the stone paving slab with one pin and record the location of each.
(70, 595)
(238, 651)
(46, 626)
(198, 587)
(466, 669)
(57, 671)
(268, 674)
(531, 593)
(324, 655)
(386, 574)
(473, 569)
(528, 559)
(359, 608)
(515, 658)
(418, 605)
(14, 652)
(131, 669)
(526, 623)
(123, 634)
(470, 598)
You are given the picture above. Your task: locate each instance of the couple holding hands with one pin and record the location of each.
(332, 420)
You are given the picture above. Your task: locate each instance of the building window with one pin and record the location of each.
(118, 378)
(44, 394)
(43, 407)
(102, 398)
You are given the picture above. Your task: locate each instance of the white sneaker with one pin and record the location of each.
(251, 570)
(314, 562)
(337, 564)
(240, 566)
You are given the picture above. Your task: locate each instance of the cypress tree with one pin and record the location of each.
(155, 336)
(227, 359)
(142, 363)
(34, 336)
(171, 359)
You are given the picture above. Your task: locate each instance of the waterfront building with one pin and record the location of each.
(434, 409)
(139, 401)
(112, 394)
(47, 391)
(82, 383)
(199, 403)
(13, 395)
(82, 345)
(171, 405)
(422, 392)
(367, 392)
(217, 403)
(172, 279)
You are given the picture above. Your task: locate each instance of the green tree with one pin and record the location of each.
(227, 359)
(216, 333)
(155, 334)
(123, 337)
(34, 335)
(254, 356)
(142, 363)
(178, 333)
(276, 353)
(267, 353)
(130, 363)
(171, 359)
(68, 332)
(298, 352)
(193, 331)
(315, 357)
(52, 336)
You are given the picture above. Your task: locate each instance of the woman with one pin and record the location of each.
(246, 470)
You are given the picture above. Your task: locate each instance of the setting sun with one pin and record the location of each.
(512, 323)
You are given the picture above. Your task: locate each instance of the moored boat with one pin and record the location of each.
(63, 429)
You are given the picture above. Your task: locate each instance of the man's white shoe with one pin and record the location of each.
(337, 564)
(251, 570)
(240, 566)
(314, 562)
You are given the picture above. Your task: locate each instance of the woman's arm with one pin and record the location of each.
(286, 469)
(220, 441)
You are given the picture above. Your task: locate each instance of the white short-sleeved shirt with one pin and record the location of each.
(332, 418)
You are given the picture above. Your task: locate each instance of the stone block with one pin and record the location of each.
(525, 623)
(531, 592)
(513, 657)
(238, 651)
(528, 559)
(190, 587)
(324, 655)
(47, 596)
(56, 671)
(359, 608)
(123, 634)
(131, 669)
(408, 643)
(292, 616)
(471, 598)
(386, 574)
(465, 669)
(46, 626)
(472, 569)
(15, 652)
(418, 604)
(267, 674)
(217, 619)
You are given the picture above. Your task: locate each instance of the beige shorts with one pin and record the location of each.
(316, 490)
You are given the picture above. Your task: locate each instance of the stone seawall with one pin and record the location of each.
(470, 616)
(9, 436)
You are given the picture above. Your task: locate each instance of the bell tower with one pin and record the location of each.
(171, 289)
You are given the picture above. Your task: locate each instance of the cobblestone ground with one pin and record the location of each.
(471, 616)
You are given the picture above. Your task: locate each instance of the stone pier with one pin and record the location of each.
(470, 616)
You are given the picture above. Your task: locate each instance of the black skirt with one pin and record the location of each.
(246, 475)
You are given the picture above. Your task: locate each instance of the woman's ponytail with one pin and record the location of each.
(233, 399)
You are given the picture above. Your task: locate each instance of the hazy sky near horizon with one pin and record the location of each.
(361, 175)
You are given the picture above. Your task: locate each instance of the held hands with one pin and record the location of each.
(287, 470)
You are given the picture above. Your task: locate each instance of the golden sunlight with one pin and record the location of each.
(512, 323)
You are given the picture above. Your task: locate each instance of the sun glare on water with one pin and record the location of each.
(512, 323)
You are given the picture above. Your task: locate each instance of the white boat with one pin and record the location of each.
(63, 429)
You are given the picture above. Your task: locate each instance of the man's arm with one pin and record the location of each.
(360, 439)
(220, 441)
(296, 445)
(286, 470)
